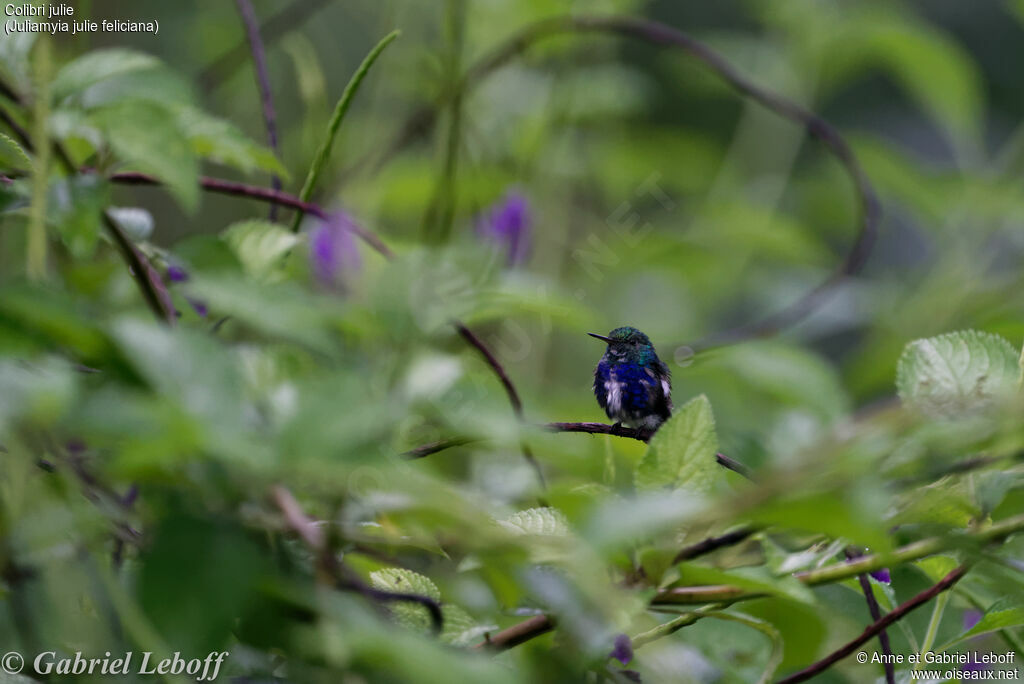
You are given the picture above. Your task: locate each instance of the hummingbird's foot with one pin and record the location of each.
(618, 425)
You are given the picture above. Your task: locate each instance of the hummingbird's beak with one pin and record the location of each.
(602, 338)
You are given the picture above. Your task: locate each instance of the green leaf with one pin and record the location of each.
(281, 310)
(753, 579)
(537, 521)
(957, 373)
(1006, 612)
(682, 452)
(146, 136)
(460, 629)
(38, 392)
(222, 142)
(188, 366)
(12, 156)
(14, 62)
(766, 628)
(259, 245)
(408, 614)
(98, 65)
(934, 69)
(211, 569)
(75, 208)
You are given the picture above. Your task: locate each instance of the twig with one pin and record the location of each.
(877, 626)
(588, 428)
(259, 59)
(20, 133)
(510, 390)
(272, 29)
(148, 280)
(712, 544)
(425, 450)
(601, 429)
(720, 593)
(331, 569)
(676, 624)
(655, 32)
(518, 633)
(965, 466)
(226, 187)
(876, 614)
(842, 571)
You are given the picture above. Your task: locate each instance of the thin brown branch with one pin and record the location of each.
(272, 30)
(284, 199)
(146, 277)
(588, 428)
(510, 390)
(425, 450)
(518, 633)
(259, 59)
(876, 627)
(332, 570)
(601, 429)
(710, 544)
(20, 133)
(876, 614)
(492, 361)
(423, 119)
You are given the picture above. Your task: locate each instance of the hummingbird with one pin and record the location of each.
(631, 383)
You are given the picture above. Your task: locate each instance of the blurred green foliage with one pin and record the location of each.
(138, 458)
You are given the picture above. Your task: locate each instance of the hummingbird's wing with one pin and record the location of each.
(661, 390)
(602, 375)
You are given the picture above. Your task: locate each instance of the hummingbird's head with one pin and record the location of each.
(628, 344)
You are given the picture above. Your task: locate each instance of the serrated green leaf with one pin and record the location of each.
(460, 629)
(408, 614)
(957, 373)
(145, 135)
(98, 65)
(682, 452)
(537, 521)
(259, 245)
(1006, 612)
(222, 142)
(12, 156)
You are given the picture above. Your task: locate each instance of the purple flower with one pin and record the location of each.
(507, 224)
(332, 249)
(176, 274)
(972, 617)
(973, 666)
(882, 575)
(198, 306)
(623, 650)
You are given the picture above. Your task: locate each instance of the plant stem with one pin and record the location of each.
(35, 257)
(933, 627)
(324, 152)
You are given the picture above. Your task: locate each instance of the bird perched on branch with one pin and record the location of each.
(631, 383)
